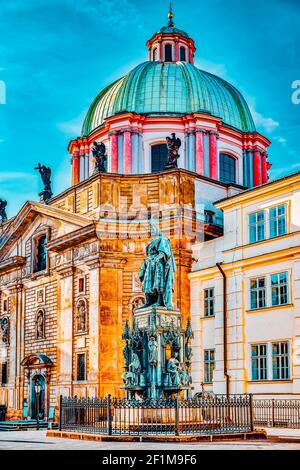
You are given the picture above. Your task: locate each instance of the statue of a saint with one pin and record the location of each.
(185, 377)
(152, 348)
(135, 365)
(99, 154)
(5, 329)
(81, 317)
(40, 325)
(45, 173)
(3, 215)
(173, 370)
(157, 272)
(173, 145)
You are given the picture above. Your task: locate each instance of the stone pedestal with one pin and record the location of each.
(157, 354)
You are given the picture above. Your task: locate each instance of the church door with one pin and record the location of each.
(37, 402)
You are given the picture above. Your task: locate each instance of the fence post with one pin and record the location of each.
(273, 413)
(251, 412)
(60, 413)
(176, 417)
(109, 416)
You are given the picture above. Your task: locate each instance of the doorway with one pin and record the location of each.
(37, 402)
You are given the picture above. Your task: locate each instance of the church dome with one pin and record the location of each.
(174, 89)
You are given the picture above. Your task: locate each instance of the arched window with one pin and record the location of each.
(168, 53)
(182, 54)
(227, 168)
(159, 157)
(154, 54)
(40, 254)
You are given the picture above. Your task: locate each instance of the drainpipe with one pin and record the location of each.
(225, 355)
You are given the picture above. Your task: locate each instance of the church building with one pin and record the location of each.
(69, 265)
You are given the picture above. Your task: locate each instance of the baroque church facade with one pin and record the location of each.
(69, 266)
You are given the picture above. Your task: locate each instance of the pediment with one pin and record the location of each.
(33, 218)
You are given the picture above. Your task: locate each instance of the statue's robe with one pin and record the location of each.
(157, 272)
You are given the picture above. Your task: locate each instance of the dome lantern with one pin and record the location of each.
(171, 44)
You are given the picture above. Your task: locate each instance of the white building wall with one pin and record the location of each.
(242, 262)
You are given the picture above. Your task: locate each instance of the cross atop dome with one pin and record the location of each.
(171, 16)
(171, 44)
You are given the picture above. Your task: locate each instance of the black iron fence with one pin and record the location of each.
(114, 416)
(277, 413)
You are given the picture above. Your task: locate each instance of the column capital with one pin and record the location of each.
(201, 129)
(65, 271)
(212, 132)
(113, 133)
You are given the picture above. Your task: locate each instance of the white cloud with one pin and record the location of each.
(72, 127)
(281, 140)
(212, 67)
(266, 123)
(6, 176)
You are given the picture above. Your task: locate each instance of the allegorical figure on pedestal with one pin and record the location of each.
(99, 154)
(157, 272)
(173, 144)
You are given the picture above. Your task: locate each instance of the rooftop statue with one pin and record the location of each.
(45, 173)
(3, 215)
(99, 153)
(173, 145)
(157, 272)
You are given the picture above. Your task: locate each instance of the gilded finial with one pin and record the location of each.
(171, 16)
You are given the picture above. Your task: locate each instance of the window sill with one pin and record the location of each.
(264, 309)
(285, 381)
(79, 382)
(211, 317)
(37, 274)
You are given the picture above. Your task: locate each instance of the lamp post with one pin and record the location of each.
(37, 388)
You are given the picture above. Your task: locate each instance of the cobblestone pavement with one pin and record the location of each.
(37, 440)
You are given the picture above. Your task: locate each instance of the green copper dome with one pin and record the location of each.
(163, 88)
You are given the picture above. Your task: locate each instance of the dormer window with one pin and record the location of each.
(182, 54)
(168, 53)
(40, 254)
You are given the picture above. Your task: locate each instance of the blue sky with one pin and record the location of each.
(56, 55)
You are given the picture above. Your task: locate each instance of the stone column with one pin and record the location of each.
(114, 152)
(192, 150)
(257, 168)
(93, 375)
(176, 51)
(75, 167)
(213, 154)
(127, 152)
(110, 355)
(200, 151)
(65, 331)
(264, 168)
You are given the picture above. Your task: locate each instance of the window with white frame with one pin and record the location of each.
(257, 227)
(209, 302)
(209, 365)
(258, 293)
(281, 360)
(280, 289)
(269, 223)
(269, 291)
(270, 361)
(259, 361)
(278, 221)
